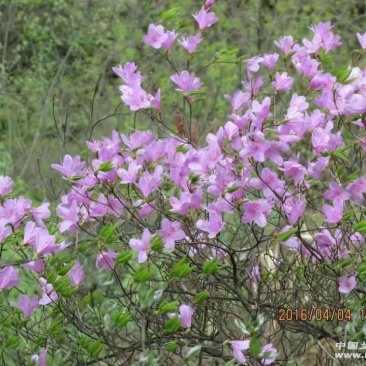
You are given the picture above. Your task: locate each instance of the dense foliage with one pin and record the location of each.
(53, 52)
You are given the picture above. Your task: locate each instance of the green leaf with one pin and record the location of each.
(342, 74)
(286, 235)
(167, 307)
(156, 243)
(241, 326)
(95, 348)
(12, 342)
(347, 214)
(183, 24)
(211, 266)
(193, 92)
(182, 269)
(173, 324)
(201, 297)
(69, 292)
(230, 363)
(170, 14)
(65, 269)
(353, 177)
(182, 149)
(360, 227)
(255, 346)
(124, 256)
(105, 167)
(62, 284)
(107, 232)
(231, 189)
(345, 262)
(171, 346)
(194, 178)
(143, 274)
(121, 319)
(193, 352)
(151, 198)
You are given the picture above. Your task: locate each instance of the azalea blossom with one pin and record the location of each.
(170, 232)
(205, 19)
(142, 246)
(27, 304)
(6, 185)
(346, 284)
(190, 43)
(9, 277)
(155, 36)
(187, 82)
(238, 348)
(76, 274)
(105, 260)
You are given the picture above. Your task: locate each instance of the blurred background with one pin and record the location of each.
(57, 88)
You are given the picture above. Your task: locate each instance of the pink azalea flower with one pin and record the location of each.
(205, 19)
(8, 277)
(45, 243)
(252, 64)
(99, 207)
(37, 265)
(70, 215)
(48, 292)
(268, 354)
(362, 39)
(105, 260)
(324, 240)
(208, 4)
(337, 193)
(6, 185)
(135, 97)
(269, 61)
(128, 74)
(156, 36)
(213, 226)
(294, 208)
(267, 183)
(186, 313)
(238, 348)
(257, 212)
(285, 44)
(143, 246)
(76, 274)
(316, 169)
(40, 359)
(129, 176)
(357, 239)
(186, 82)
(190, 43)
(238, 100)
(357, 189)
(40, 213)
(149, 183)
(70, 166)
(171, 36)
(283, 82)
(170, 232)
(27, 304)
(5, 230)
(293, 169)
(346, 284)
(155, 101)
(333, 214)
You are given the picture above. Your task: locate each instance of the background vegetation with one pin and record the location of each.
(56, 58)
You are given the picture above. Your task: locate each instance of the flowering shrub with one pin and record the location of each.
(246, 251)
